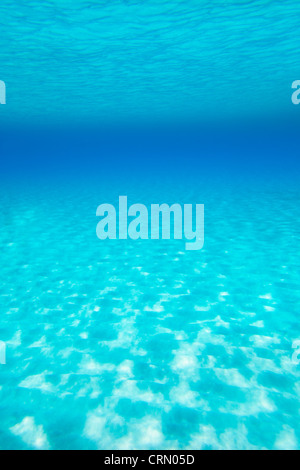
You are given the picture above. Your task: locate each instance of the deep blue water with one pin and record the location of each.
(141, 344)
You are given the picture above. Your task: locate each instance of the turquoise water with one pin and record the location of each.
(142, 344)
(146, 345)
(103, 59)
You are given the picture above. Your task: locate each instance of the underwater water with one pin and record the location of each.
(135, 59)
(141, 344)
